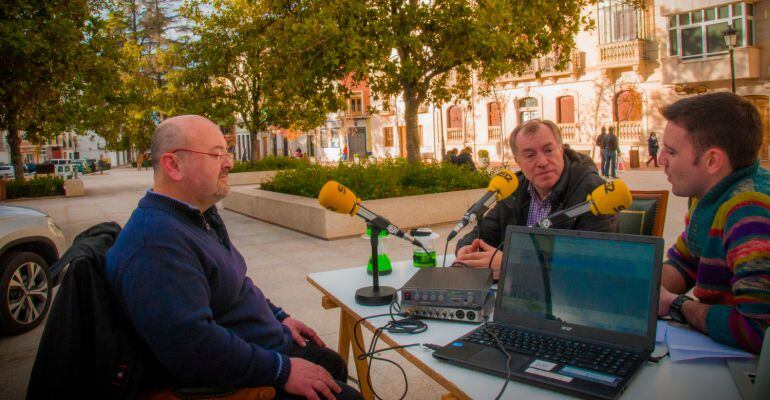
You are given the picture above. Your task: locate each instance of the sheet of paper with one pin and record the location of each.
(660, 334)
(685, 344)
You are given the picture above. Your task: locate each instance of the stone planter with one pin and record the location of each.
(305, 215)
(249, 178)
(73, 188)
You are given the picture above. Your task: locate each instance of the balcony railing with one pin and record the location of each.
(454, 134)
(630, 131)
(629, 53)
(547, 68)
(568, 132)
(494, 133)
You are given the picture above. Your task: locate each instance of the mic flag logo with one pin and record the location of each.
(609, 187)
(505, 175)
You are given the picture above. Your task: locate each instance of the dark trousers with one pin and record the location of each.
(330, 361)
(653, 157)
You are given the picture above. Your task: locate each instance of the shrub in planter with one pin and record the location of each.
(389, 178)
(35, 187)
(270, 163)
(483, 153)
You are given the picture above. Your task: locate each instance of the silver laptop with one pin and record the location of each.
(752, 377)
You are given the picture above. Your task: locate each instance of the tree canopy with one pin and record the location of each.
(428, 51)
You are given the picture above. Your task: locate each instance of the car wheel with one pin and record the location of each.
(25, 292)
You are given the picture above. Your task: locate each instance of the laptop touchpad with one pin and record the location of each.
(495, 359)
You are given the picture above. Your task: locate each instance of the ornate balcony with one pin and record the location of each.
(569, 132)
(454, 135)
(630, 131)
(629, 53)
(494, 134)
(546, 66)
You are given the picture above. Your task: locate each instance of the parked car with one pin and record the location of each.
(82, 166)
(6, 171)
(30, 243)
(29, 167)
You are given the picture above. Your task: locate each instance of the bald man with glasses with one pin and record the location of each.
(183, 285)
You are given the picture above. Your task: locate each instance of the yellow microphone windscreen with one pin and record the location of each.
(610, 198)
(334, 196)
(504, 183)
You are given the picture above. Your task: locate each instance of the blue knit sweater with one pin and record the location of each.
(183, 285)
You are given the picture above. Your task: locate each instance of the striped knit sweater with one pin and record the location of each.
(724, 253)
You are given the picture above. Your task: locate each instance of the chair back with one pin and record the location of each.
(647, 213)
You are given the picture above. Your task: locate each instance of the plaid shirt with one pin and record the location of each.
(538, 209)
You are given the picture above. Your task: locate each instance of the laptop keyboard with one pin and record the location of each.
(559, 350)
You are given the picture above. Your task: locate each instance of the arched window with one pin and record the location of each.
(455, 117)
(493, 114)
(528, 109)
(565, 106)
(628, 106)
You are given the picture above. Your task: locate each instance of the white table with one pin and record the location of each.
(696, 379)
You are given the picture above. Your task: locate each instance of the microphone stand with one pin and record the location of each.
(375, 295)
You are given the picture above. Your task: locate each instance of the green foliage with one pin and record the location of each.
(36, 187)
(270, 163)
(236, 66)
(369, 181)
(426, 51)
(483, 153)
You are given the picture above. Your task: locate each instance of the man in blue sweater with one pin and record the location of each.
(183, 285)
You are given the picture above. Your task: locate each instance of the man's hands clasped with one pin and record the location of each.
(478, 255)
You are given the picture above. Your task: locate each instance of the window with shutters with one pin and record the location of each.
(628, 106)
(387, 134)
(566, 110)
(493, 114)
(455, 117)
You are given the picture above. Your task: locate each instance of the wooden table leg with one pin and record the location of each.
(352, 332)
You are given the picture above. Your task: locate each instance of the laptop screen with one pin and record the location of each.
(579, 280)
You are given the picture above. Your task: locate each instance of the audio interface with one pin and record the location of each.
(460, 294)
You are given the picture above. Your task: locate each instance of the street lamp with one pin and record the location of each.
(731, 37)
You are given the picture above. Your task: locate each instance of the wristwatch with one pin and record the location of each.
(676, 308)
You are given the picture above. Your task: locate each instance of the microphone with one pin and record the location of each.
(502, 185)
(607, 199)
(334, 196)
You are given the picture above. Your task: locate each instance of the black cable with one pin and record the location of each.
(446, 248)
(405, 326)
(507, 355)
(499, 246)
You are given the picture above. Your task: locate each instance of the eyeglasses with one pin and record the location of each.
(220, 155)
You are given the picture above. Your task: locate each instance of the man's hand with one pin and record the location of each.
(664, 303)
(480, 258)
(309, 380)
(470, 248)
(301, 332)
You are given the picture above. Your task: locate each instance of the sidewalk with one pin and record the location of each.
(279, 261)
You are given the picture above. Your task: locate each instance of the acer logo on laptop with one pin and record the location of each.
(566, 328)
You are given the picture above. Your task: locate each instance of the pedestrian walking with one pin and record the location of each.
(602, 152)
(652, 149)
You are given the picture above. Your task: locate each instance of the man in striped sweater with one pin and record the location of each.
(710, 148)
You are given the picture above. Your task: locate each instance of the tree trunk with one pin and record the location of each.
(410, 117)
(14, 144)
(254, 146)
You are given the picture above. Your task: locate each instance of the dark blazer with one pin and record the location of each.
(580, 178)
